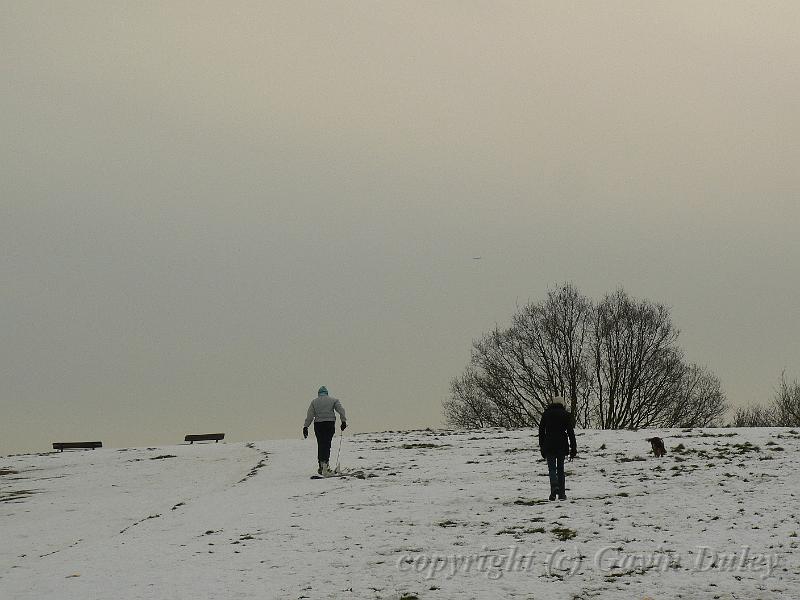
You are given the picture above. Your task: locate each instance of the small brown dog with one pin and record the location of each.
(658, 446)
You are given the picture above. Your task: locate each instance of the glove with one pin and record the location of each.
(305, 432)
(344, 425)
(573, 454)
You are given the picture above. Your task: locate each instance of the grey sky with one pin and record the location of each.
(207, 210)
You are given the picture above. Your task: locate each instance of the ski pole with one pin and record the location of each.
(338, 452)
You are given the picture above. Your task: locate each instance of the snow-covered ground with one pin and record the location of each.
(440, 515)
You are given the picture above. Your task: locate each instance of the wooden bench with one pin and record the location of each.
(204, 437)
(61, 446)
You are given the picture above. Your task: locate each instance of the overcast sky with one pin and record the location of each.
(208, 210)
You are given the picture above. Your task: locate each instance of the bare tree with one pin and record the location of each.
(557, 332)
(787, 403)
(467, 406)
(700, 401)
(754, 416)
(506, 375)
(638, 367)
(617, 363)
(782, 411)
(514, 372)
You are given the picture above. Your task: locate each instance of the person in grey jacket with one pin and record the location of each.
(322, 412)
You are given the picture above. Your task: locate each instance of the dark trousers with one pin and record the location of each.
(324, 431)
(555, 465)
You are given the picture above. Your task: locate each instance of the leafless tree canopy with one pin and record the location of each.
(616, 362)
(782, 411)
(637, 366)
(700, 401)
(787, 403)
(467, 406)
(754, 416)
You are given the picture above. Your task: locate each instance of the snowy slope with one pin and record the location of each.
(245, 521)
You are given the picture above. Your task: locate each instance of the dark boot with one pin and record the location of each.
(552, 495)
(561, 495)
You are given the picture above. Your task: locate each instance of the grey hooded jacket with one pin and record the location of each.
(322, 409)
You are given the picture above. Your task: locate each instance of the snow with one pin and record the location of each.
(242, 520)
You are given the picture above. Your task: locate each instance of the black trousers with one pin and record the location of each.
(324, 431)
(555, 467)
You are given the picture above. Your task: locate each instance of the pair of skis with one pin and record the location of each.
(339, 472)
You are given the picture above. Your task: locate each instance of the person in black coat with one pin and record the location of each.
(556, 440)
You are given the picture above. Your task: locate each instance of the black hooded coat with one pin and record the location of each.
(556, 433)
